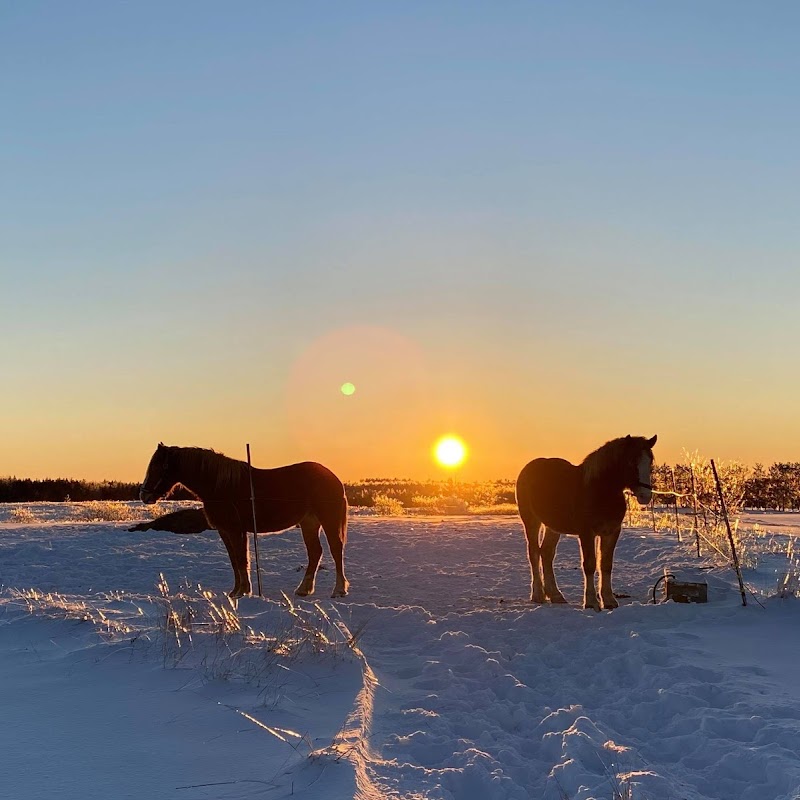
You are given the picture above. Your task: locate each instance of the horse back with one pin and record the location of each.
(284, 495)
(307, 478)
(550, 489)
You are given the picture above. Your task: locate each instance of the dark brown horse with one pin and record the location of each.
(587, 501)
(307, 493)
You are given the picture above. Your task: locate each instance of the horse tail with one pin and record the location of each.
(343, 520)
(521, 491)
(524, 497)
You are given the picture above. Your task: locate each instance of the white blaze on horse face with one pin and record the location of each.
(644, 493)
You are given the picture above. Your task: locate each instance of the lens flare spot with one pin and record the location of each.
(450, 451)
(347, 389)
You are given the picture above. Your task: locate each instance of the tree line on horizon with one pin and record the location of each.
(58, 490)
(359, 493)
(775, 487)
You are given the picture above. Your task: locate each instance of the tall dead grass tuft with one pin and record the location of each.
(201, 629)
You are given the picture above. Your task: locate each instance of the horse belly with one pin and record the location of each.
(276, 516)
(561, 520)
(270, 517)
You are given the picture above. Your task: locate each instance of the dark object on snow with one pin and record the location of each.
(587, 501)
(686, 591)
(187, 520)
(681, 591)
(307, 493)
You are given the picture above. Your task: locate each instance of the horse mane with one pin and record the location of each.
(611, 455)
(226, 472)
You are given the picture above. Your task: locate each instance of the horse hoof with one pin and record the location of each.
(537, 601)
(610, 605)
(341, 589)
(301, 592)
(558, 599)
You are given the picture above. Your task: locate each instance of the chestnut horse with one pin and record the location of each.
(587, 501)
(307, 494)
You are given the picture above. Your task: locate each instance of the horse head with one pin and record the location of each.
(159, 478)
(639, 467)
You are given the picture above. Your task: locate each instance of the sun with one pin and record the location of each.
(450, 451)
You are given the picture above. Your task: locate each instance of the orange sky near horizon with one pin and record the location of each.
(405, 398)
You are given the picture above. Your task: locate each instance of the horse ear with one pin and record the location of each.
(651, 442)
(160, 445)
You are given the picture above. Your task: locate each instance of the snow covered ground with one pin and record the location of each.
(455, 686)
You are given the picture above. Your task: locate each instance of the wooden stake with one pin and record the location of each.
(675, 500)
(255, 524)
(730, 535)
(694, 505)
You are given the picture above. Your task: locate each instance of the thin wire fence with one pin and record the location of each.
(707, 509)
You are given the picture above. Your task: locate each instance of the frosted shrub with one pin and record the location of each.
(427, 504)
(732, 475)
(440, 504)
(106, 511)
(455, 505)
(23, 515)
(432, 496)
(118, 510)
(388, 506)
(637, 515)
(789, 579)
(496, 509)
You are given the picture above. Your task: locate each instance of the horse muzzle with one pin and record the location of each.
(644, 496)
(148, 498)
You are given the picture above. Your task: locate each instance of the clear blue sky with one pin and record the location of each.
(537, 225)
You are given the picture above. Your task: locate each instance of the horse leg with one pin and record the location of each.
(243, 560)
(532, 526)
(607, 545)
(589, 563)
(309, 525)
(336, 534)
(548, 547)
(228, 539)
